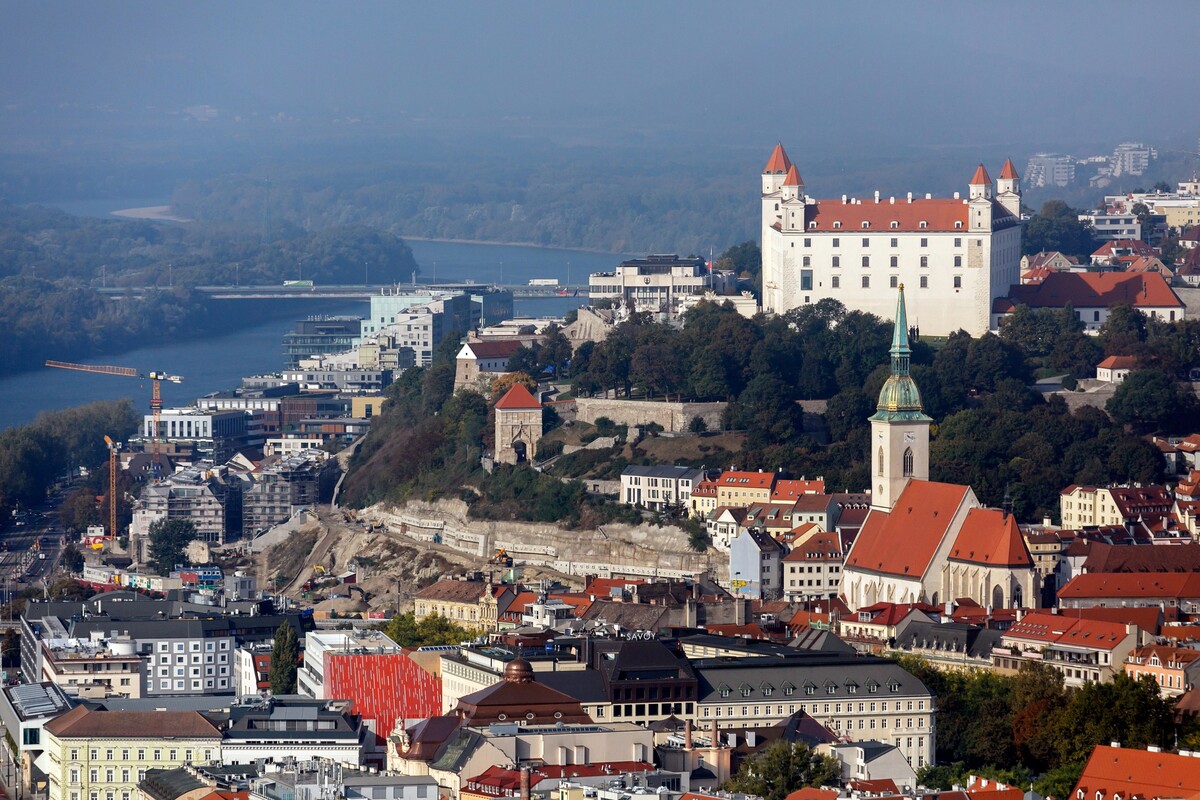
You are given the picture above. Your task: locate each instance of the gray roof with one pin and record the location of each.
(663, 471)
(828, 676)
(37, 700)
(585, 685)
(168, 784)
(952, 637)
(211, 702)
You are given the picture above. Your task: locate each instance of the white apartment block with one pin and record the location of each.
(956, 255)
(659, 487)
(658, 283)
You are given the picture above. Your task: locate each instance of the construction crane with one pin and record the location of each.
(113, 449)
(155, 378)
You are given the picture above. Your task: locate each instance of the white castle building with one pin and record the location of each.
(956, 254)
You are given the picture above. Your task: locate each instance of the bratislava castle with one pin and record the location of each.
(955, 254)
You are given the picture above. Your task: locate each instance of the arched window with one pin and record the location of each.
(881, 462)
(908, 462)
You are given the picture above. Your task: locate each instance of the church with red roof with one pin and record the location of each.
(925, 541)
(957, 254)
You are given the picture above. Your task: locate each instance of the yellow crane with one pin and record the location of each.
(113, 449)
(155, 378)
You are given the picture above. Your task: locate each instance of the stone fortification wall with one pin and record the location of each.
(624, 550)
(674, 417)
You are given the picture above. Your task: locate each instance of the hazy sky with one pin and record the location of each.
(808, 73)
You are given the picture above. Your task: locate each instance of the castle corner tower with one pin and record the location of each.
(899, 426)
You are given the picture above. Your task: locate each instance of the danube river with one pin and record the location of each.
(216, 363)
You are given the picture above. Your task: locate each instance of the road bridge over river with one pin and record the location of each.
(313, 292)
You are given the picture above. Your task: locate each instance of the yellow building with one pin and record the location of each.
(101, 755)
(744, 489)
(366, 406)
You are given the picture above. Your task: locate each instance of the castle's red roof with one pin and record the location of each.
(980, 177)
(778, 163)
(1008, 172)
(793, 177)
(938, 214)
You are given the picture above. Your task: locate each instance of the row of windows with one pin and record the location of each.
(156, 754)
(758, 711)
(894, 261)
(894, 242)
(835, 282)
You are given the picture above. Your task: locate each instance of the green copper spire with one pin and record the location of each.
(900, 399)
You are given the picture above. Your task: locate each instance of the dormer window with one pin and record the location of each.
(894, 224)
(924, 224)
(724, 691)
(812, 224)
(788, 689)
(866, 224)
(958, 224)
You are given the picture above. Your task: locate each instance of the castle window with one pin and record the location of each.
(957, 224)
(865, 225)
(806, 280)
(812, 224)
(866, 282)
(924, 281)
(924, 224)
(837, 224)
(957, 281)
(880, 460)
(924, 261)
(807, 241)
(807, 261)
(895, 261)
(893, 282)
(866, 261)
(908, 462)
(835, 282)
(895, 242)
(958, 261)
(866, 241)
(777, 206)
(957, 242)
(837, 242)
(924, 241)
(837, 261)
(894, 224)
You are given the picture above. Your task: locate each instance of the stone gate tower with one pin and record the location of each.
(518, 426)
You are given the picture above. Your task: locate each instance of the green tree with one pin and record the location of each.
(285, 657)
(72, 559)
(1124, 331)
(169, 539)
(10, 649)
(1148, 398)
(782, 768)
(404, 630)
(1057, 228)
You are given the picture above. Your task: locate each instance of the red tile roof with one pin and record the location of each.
(980, 177)
(1008, 172)
(792, 488)
(705, 489)
(747, 480)
(1095, 289)
(1148, 618)
(793, 177)
(518, 397)
(506, 348)
(83, 723)
(602, 587)
(817, 547)
(1131, 585)
(904, 541)
(778, 163)
(1137, 773)
(812, 794)
(1057, 629)
(938, 214)
(990, 536)
(1118, 362)
(1135, 246)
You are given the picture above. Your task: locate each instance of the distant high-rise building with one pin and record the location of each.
(1049, 169)
(1132, 158)
(956, 254)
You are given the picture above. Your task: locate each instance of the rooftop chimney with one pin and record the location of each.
(687, 734)
(524, 783)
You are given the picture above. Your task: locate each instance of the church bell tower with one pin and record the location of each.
(899, 427)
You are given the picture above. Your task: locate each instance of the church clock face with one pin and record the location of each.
(909, 436)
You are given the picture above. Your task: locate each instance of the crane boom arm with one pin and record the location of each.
(127, 372)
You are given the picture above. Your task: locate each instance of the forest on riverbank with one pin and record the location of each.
(53, 266)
